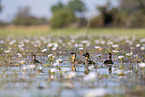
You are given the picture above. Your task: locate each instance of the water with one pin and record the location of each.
(16, 82)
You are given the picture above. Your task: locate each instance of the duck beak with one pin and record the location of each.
(86, 58)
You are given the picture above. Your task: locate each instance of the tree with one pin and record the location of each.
(108, 14)
(76, 6)
(57, 7)
(133, 12)
(64, 15)
(0, 6)
(62, 18)
(23, 17)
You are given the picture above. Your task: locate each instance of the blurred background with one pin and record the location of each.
(73, 13)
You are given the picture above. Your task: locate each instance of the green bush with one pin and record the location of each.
(62, 18)
(24, 21)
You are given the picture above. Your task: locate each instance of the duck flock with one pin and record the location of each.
(76, 66)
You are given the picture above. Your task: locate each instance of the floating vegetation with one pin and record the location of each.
(72, 66)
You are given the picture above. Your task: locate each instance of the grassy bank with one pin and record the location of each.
(45, 30)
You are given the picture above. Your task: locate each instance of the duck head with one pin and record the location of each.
(87, 55)
(110, 56)
(34, 57)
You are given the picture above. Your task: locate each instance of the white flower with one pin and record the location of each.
(115, 51)
(141, 65)
(120, 72)
(99, 55)
(59, 60)
(2, 41)
(60, 41)
(91, 67)
(120, 57)
(25, 67)
(52, 70)
(88, 44)
(19, 55)
(76, 45)
(142, 48)
(97, 41)
(137, 45)
(128, 54)
(7, 51)
(65, 69)
(109, 43)
(102, 42)
(44, 50)
(142, 40)
(26, 41)
(69, 43)
(90, 77)
(35, 45)
(51, 56)
(40, 68)
(12, 42)
(55, 45)
(32, 42)
(80, 45)
(20, 45)
(55, 64)
(54, 48)
(70, 75)
(50, 45)
(115, 46)
(63, 44)
(131, 48)
(85, 41)
(22, 49)
(97, 47)
(98, 92)
(72, 41)
(81, 49)
(135, 56)
(22, 61)
(52, 77)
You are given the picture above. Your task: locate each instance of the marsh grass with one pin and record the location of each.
(16, 77)
(21, 31)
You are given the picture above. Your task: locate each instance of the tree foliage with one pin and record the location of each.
(133, 12)
(57, 7)
(23, 17)
(0, 6)
(64, 15)
(76, 6)
(62, 18)
(109, 16)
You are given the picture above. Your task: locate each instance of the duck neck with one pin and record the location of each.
(73, 59)
(110, 58)
(34, 58)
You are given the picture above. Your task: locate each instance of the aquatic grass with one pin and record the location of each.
(46, 41)
(22, 31)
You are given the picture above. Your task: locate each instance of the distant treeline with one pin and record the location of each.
(129, 14)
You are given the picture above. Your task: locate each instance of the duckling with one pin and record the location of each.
(74, 61)
(110, 59)
(34, 60)
(109, 62)
(73, 58)
(87, 56)
(88, 61)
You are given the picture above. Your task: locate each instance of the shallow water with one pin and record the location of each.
(14, 81)
(52, 82)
